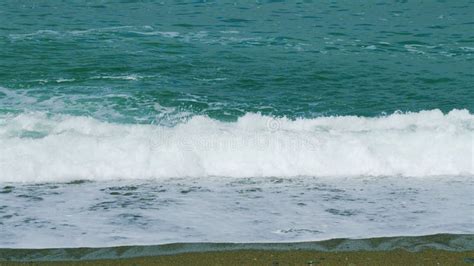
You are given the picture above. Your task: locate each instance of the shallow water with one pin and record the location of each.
(216, 209)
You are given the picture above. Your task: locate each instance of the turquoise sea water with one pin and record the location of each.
(148, 122)
(116, 60)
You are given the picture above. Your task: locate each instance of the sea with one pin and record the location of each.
(153, 122)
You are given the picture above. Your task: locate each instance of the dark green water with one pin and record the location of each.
(127, 61)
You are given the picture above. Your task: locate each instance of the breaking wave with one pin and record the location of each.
(36, 147)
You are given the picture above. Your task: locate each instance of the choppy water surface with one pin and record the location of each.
(131, 62)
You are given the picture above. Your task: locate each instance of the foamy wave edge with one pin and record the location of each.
(36, 147)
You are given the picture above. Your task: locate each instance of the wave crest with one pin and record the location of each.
(37, 147)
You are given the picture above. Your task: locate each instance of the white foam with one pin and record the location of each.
(35, 147)
(122, 77)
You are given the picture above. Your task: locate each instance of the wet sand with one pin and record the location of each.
(255, 257)
(423, 250)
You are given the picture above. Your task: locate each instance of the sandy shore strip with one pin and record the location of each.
(442, 249)
(255, 257)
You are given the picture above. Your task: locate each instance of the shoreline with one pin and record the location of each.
(439, 248)
(277, 258)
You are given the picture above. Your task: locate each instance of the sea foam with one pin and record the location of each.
(35, 147)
